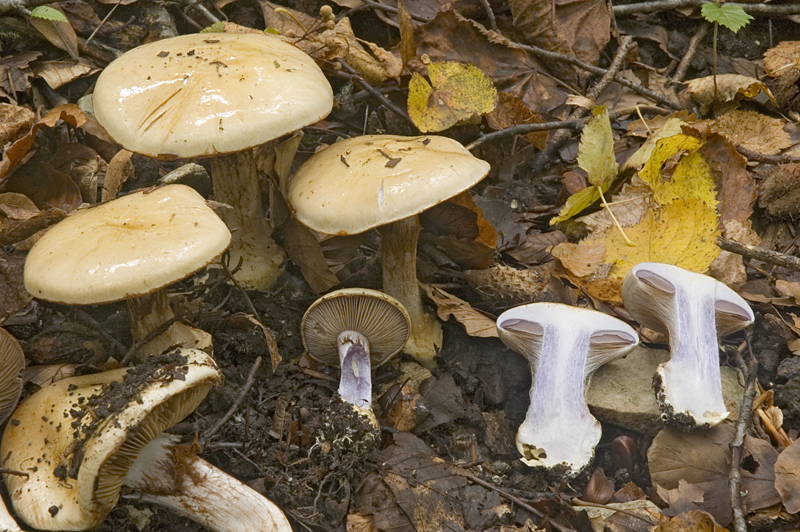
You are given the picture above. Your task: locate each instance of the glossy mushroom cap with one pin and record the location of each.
(564, 346)
(77, 438)
(693, 310)
(364, 182)
(125, 248)
(355, 328)
(205, 94)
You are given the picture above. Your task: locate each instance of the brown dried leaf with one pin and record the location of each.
(512, 111)
(83, 165)
(59, 33)
(534, 250)
(304, 250)
(359, 523)
(13, 296)
(46, 186)
(787, 477)
(48, 374)
(120, 169)
(684, 498)
(486, 234)
(408, 48)
(475, 323)
(783, 61)
(58, 73)
(751, 130)
(728, 88)
(702, 459)
(580, 259)
(736, 190)
(15, 121)
(692, 521)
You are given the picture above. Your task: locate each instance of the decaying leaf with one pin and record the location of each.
(15, 121)
(15, 73)
(408, 48)
(475, 323)
(305, 251)
(702, 459)
(751, 130)
(681, 233)
(729, 87)
(512, 111)
(686, 497)
(672, 126)
(787, 477)
(58, 73)
(692, 521)
(455, 93)
(580, 259)
(58, 31)
(783, 60)
(13, 296)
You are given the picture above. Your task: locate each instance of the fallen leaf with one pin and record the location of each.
(456, 93)
(305, 251)
(692, 521)
(512, 111)
(533, 250)
(359, 523)
(702, 459)
(408, 48)
(58, 32)
(629, 207)
(475, 323)
(728, 88)
(13, 296)
(684, 498)
(15, 121)
(45, 185)
(15, 73)
(783, 61)
(736, 190)
(580, 260)
(58, 73)
(672, 126)
(787, 477)
(751, 130)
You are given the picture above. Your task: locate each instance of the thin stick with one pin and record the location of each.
(686, 61)
(745, 415)
(614, 218)
(158, 331)
(755, 9)
(757, 253)
(102, 22)
(251, 376)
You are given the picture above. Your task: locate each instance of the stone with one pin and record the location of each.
(621, 392)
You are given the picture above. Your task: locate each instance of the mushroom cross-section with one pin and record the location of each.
(80, 439)
(693, 310)
(126, 249)
(355, 328)
(564, 345)
(216, 95)
(385, 181)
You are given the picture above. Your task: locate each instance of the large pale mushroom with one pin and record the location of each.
(216, 95)
(694, 311)
(80, 439)
(385, 181)
(127, 249)
(564, 345)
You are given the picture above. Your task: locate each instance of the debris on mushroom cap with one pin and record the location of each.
(126, 247)
(378, 316)
(693, 310)
(206, 94)
(564, 346)
(76, 438)
(364, 182)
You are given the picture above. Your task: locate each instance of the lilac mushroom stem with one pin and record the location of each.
(355, 383)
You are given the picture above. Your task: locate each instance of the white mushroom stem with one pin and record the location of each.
(175, 477)
(235, 180)
(150, 312)
(355, 383)
(399, 256)
(693, 310)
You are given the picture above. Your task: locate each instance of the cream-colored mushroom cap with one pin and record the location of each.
(209, 93)
(378, 316)
(125, 248)
(364, 182)
(76, 439)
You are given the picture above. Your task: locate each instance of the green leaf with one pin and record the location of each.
(596, 150)
(48, 13)
(217, 27)
(733, 17)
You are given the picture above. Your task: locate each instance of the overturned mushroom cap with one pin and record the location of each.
(125, 248)
(205, 94)
(564, 346)
(693, 310)
(377, 316)
(76, 438)
(12, 362)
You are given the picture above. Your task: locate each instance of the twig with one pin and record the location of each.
(490, 14)
(251, 376)
(83, 316)
(579, 502)
(393, 10)
(745, 415)
(102, 22)
(239, 287)
(764, 158)
(376, 93)
(158, 331)
(755, 9)
(764, 255)
(560, 137)
(686, 61)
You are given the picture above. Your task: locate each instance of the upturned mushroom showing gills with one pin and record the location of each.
(693, 310)
(564, 345)
(216, 95)
(126, 249)
(355, 328)
(79, 440)
(385, 181)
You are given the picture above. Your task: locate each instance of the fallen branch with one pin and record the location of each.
(755, 9)
(745, 415)
(764, 255)
(251, 376)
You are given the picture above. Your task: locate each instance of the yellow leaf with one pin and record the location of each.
(576, 203)
(671, 127)
(596, 150)
(456, 92)
(681, 233)
(676, 170)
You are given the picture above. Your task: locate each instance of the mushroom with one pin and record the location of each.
(564, 346)
(384, 181)
(126, 249)
(216, 95)
(355, 328)
(12, 360)
(693, 310)
(80, 439)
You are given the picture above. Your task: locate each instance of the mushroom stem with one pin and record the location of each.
(355, 384)
(150, 312)
(399, 256)
(235, 180)
(174, 476)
